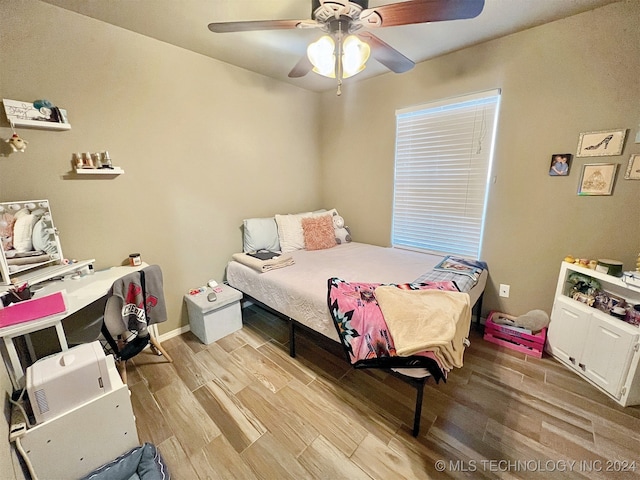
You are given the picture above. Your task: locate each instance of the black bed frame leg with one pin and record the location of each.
(292, 339)
(478, 310)
(418, 411)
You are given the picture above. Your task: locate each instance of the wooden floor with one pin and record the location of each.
(242, 408)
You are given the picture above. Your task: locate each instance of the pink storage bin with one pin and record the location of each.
(530, 344)
(32, 309)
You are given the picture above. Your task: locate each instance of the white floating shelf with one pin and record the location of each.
(25, 115)
(41, 124)
(100, 171)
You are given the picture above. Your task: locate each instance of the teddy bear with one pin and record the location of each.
(16, 143)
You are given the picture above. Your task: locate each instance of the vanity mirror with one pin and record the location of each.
(29, 241)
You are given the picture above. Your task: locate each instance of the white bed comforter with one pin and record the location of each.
(299, 291)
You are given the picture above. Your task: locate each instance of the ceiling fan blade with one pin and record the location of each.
(226, 27)
(386, 54)
(301, 68)
(420, 11)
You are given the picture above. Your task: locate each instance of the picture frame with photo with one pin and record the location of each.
(560, 164)
(633, 169)
(601, 144)
(597, 179)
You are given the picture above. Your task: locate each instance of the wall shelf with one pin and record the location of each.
(25, 115)
(40, 124)
(99, 171)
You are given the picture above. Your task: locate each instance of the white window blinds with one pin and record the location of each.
(443, 163)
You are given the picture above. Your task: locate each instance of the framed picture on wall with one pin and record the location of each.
(560, 164)
(601, 144)
(597, 179)
(633, 169)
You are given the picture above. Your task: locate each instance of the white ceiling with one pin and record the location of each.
(274, 53)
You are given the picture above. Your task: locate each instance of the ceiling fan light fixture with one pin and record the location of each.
(331, 57)
(355, 55)
(322, 55)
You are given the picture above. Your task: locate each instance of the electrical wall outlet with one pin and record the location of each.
(504, 290)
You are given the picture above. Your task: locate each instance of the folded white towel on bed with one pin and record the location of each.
(432, 320)
(263, 265)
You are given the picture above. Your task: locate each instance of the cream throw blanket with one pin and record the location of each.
(432, 320)
(263, 265)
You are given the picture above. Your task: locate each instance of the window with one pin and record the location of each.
(443, 163)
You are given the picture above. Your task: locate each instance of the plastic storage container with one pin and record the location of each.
(529, 343)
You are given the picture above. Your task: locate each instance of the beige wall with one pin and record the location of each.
(203, 145)
(576, 75)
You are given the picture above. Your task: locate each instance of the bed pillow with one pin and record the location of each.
(260, 234)
(318, 232)
(290, 231)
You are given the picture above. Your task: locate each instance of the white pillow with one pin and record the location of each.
(260, 234)
(22, 232)
(290, 231)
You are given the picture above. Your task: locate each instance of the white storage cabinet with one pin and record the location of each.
(597, 346)
(90, 419)
(210, 321)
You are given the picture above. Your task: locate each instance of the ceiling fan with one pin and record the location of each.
(345, 48)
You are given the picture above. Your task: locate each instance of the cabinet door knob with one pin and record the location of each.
(581, 365)
(572, 360)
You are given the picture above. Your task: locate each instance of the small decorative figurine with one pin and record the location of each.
(16, 143)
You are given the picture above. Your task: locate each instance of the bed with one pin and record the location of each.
(298, 288)
(299, 291)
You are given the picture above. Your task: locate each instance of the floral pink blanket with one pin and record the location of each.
(363, 331)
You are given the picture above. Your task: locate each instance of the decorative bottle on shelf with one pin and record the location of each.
(106, 160)
(77, 160)
(86, 160)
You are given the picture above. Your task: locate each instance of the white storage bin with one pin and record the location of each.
(210, 321)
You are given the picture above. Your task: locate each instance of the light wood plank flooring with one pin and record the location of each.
(241, 408)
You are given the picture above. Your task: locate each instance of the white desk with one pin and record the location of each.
(79, 293)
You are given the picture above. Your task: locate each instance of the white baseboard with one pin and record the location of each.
(173, 333)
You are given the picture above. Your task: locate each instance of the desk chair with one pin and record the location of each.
(134, 302)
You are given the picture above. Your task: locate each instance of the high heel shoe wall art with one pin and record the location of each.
(601, 144)
(605, 141)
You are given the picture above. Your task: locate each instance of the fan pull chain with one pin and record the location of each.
(339, 59)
